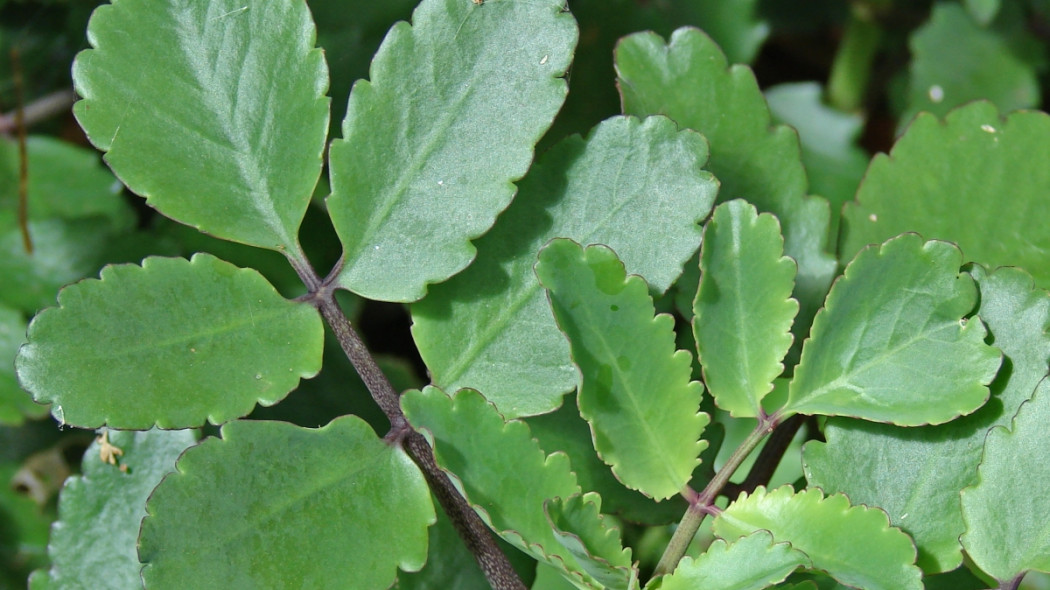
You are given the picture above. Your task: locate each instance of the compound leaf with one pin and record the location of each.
(854, 544)
(174, 342)
(743, 310)
(753, 562)
(432, 143)
(634, 387)
(213, 111)
(1007, 533)
(973, 165)
(239, 509)
(892, 344)
(635, 186)
(83, 552)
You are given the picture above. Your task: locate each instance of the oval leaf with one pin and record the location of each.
(429, 154)
(174, 343)
(891, 344)
(743, 310)
(213, 111)
(239, 510)
(855, 544)
(753, 562)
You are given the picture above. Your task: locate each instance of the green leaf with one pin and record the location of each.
(213, 111)
(240, 509)
(15, 404)
(634, 387)
(735, 25)
(432, 143)
(1007, 533)
(172, 343)
(689, 80)
(892, 343)
(915, 474)
(93, 543)
(982, 11)
(635, 186)
(500, 468)
(743, 310)
(974, 166)
(855, 544)
(956, 61)
(753, 562)
(582, 530)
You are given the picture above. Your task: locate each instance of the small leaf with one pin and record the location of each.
(634, 388)
(636, 186)
(753, 562)
(213, 111)
(892, 344)
(1007, 533)
(455, 105)
(743, 310)
(582, 530)
(172, 343)
(855, 544)
(93, 543)
(973, 165)
(239, 510)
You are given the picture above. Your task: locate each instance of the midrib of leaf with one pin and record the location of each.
(743, 353)
(213, 100)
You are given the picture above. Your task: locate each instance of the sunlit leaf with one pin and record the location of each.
(753, 562)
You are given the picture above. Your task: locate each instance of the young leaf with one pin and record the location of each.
(855, 544)
(743, 310)
(431, 144)
(689, 80)
(500, 468)
(213, 111)
(634, 388)
(582, 530)
(635, 186)
(892, 345)
(915, 474)
(174, 343)
(753, 562)
(1007, 533)
(93, 543)
(974, 165)
(240, 509)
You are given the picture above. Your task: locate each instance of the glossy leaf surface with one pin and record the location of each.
(196, 103)
(915, 474)
(635, 389)
(174, 343)
(891, 344)
(855, 544)
(753, 562)
(1007, 533)
(973, 165)
(94, 542)
(240, 508)
(432, 143)
(743, 310)
(635, 186)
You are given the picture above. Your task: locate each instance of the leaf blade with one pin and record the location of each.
(765, 562)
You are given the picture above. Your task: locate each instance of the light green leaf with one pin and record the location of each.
(15, 404)
(892, 343)
(735, 25)
(213, 111)
(432, 143)
(634, 387)
(689, 80)
(635, 186)
(915, 474)
(982, 11)
(172, 343)
(753, 562)
(974, 166)
(1007, 533)
(239, 510)
(501, 470)
(854, 544)
(582, 531)
(93, 543)
(743, 310)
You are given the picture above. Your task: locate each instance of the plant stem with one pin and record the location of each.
(39, 110)
(770, 456)
(704, 503)
(851, 70)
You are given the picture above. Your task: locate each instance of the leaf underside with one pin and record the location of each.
(582, 530)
